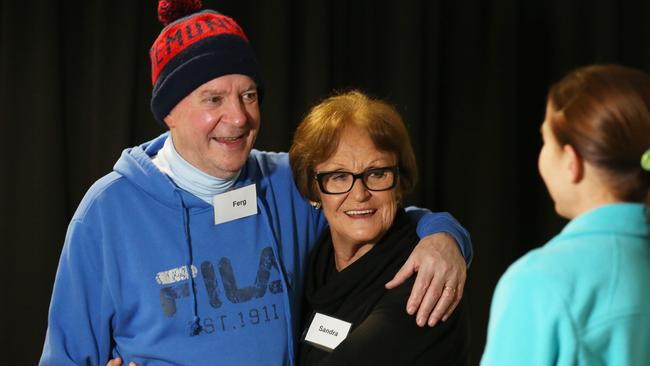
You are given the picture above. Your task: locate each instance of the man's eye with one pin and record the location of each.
(249, 97)
(213, 100)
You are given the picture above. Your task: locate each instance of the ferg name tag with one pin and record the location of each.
(235, 204)
(326, 332)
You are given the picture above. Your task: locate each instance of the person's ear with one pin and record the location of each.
(315, 190)
(398, 193)
(169, 121)
(575, 164)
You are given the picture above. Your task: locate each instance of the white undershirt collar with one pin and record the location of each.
(187, 176)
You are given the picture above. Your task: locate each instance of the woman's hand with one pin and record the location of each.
(118, 362)
(440, 280)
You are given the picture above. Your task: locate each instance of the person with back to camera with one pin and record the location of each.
(583, 298)
(193, 250)
(352, 157)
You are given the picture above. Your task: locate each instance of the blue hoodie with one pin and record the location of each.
(123, 287)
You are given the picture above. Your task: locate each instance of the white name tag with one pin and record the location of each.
(235, 204)
(327, 332)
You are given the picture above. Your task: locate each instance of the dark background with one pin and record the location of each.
(469, 77)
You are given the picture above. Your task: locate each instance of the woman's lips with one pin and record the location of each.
(360, 213)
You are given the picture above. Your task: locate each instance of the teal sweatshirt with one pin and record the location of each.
(581, 299)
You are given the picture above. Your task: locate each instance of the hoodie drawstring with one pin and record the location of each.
(194, 327)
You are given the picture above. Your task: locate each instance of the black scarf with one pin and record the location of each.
(351, 294)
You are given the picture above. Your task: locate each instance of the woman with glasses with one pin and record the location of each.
(583, 298)
(352, 157)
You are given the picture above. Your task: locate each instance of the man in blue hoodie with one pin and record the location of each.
(192, 251)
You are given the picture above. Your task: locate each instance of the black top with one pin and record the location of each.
(382, 332)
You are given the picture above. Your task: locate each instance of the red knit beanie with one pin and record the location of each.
(194, 48)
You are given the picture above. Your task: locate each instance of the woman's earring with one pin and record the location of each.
(315, 205)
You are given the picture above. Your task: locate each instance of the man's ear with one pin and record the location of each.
(169, 121)
(575, 164)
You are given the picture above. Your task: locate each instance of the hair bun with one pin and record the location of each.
(170, 10)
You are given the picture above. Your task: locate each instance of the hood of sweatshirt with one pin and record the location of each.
(136, 166)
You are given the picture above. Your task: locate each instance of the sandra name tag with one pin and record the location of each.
(326, 332)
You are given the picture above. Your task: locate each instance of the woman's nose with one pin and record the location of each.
(359, 191)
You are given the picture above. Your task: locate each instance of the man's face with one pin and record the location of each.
(215, 126)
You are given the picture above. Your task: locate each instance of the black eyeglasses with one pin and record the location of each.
(376, 179)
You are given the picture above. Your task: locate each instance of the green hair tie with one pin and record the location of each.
(645, 160)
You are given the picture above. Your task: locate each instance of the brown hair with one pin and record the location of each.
(603, 111)
(318, 135)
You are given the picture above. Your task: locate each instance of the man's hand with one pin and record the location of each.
(118, 362)
(440, 281)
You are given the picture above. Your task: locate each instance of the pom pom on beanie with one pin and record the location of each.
(169, 10)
